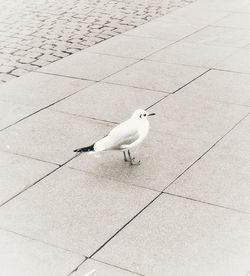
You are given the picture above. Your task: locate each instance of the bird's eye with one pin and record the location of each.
(144, 115)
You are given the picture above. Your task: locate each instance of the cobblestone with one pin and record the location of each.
(36, 33)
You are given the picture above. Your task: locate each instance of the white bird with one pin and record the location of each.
(124, 136)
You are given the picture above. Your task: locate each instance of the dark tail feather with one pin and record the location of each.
(86, 149)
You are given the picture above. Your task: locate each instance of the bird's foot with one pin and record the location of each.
(132, 162)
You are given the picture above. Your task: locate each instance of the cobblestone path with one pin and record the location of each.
(34, 33)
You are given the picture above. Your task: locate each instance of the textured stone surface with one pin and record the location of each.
(34, 34)
(221, 36)
(221, 177)
(11, 113)
(40, 90)
(88, 65)
(156, 170)
(129, 46)
(156, 75)
(100, 269)
(176, 236)
(239, 62)
(190, 117)
(186, 53)
(51, 136)
(23, 256)
(18, 172)
(73, 210)
(114, 103)
(219, 86)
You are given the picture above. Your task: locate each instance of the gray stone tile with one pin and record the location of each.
(192, 54)
(193, 118)
(40, 90)
(23, 256)
(73, 210)
(18, 173)
(221, 86)
(100, 269)
(156, 75)
(239, 62)
(129, 46)
(163, 158)
(11, 113)
(221, 5)
(87, 65)
(235, 20)
(194, 15)
(51, 136)
(111, 102)
(221, 36)
(169, 31)
(222, 175)
(175, 236)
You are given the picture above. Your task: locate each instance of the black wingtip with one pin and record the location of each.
(86, 149)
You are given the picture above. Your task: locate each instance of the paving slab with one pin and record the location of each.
(221, 86)
(10, 113)
(238, 62)
(92, 267)
(222, 5)
(194, 15)
(114, 103)
(156, 75)
(170, 31)
(40, 90)
(129, 46)
(73, 210)
(235, 20)
(192, 54)
(51, 136)
(190, 117)
(176, 236)
(221, 36)
(222, 175)
(18, 172)
(156, 170)
(23, 256)
(86, 65)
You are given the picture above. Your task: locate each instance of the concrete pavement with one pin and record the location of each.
(185, 210)
(36, 33)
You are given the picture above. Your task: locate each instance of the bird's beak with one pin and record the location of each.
(151, 114)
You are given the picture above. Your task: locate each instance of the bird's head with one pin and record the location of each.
(141, 114)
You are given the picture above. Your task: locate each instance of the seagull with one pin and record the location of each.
(124, 136)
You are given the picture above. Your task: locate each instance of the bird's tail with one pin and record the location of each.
(86, 149)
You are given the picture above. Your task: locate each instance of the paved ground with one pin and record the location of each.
(185, 210)
(36, 33)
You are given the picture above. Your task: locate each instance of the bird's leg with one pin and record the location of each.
(125, 157)
(131, 160)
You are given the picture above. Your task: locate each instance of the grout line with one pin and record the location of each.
(33, 184)
(138, 87)
(45, 107)
(208, 203)
(121, 268)
(178, 89)
(40, 241)
(30, 157)
(171, 183)
(83, 116)
(126, 224)
(230, 71)
(75, 269)
(65, 76)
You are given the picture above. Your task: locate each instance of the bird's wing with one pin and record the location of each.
(123, 134)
